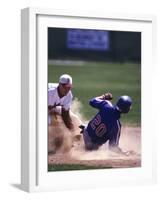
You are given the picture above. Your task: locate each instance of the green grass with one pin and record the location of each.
(95, 78)
(69, 167)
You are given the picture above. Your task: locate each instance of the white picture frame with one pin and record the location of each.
(34, 176)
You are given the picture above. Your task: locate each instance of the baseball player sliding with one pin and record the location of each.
(60, 99)
(105, 125)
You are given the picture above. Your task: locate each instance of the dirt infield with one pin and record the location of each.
(65, 147)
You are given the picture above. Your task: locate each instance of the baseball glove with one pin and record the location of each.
(107, 96)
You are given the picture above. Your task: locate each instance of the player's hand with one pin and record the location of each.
(119, 151)
(107, 96)
(129, 153)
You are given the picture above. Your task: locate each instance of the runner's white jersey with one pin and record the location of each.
(55, 100)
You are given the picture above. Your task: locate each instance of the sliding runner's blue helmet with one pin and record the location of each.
(124, 104)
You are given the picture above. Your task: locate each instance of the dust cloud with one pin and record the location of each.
(130, 141)
(60, 138)
(62, 141)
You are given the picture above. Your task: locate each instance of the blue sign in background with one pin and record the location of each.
(88, 39)
(96, 45)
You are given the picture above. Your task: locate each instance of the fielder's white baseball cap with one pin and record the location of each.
(66, 79)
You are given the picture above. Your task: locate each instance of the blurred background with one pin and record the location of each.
(98, 61)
